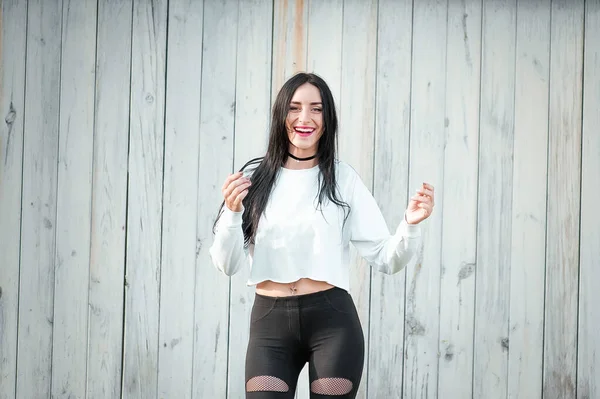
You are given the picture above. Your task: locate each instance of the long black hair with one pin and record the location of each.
(267, 168)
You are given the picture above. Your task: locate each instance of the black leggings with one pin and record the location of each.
(322, 329)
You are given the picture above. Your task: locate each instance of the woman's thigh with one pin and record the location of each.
(337, 349)
(273, 358)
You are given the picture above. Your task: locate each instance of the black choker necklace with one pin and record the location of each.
(302, 159)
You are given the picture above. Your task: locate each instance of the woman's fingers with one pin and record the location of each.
(230, 178)
(422, 203)
(228, 190)
(428, 187)
(239, 198)
(235, 190)
(422, 199)
(425, 191)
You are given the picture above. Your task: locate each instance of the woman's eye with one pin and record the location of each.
(317, 109)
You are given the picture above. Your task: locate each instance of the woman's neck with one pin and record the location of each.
(301, 159)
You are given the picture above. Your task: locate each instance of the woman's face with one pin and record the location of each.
(304, 121)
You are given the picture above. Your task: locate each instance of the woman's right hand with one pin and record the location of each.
(235, 190)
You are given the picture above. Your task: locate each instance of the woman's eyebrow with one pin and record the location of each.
(315, 103)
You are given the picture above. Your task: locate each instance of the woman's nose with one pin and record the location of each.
(304, 116)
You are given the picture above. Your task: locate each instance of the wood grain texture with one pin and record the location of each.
(144, 213)
(390, 187)
(502, 304)
(588, 359)
(426, 165)
(179, 223)
(324, 43)
(38, 224)
(494, 211)
(357, 130)
(212, 373)
(252, 117)
(459, 251)
(74, 195)
(527, 266)
(564, 188)
(290, 22)
(109, 199)
(13, 35)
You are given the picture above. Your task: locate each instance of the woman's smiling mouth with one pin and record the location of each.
(304, 131)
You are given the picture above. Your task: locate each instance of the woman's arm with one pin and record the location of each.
(227, 250)
(370, 235)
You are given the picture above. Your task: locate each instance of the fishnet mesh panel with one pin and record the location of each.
(331, 386)
(266, 383)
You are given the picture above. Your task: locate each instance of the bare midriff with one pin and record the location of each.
(300, 287)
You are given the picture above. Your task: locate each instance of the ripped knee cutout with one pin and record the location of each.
(331, 386)
(266, 383)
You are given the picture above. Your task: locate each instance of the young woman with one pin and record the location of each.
(290, 217)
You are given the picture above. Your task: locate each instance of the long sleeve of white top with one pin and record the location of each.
(371, 237)
(227, 251)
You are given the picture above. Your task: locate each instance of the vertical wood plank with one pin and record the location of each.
(426, 165)
(528, 246)
(73, 222)
(146, 146)
(392, 138)
(495, 197)
(290, 22)
(324, 43)
(13, 17)
(179, 243)
(38, 224)
(217, 112)
(459, 251)
(588, 367)
(324, 58)
(252, 108)
(357, 130)
(109, 199)
(564, 173)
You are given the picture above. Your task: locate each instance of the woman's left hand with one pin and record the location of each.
(420, 205)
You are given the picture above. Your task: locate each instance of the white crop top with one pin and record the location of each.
(296, 240)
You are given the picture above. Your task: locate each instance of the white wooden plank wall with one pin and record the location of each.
(459, 251)
(427, 144)
(564, 187)
(12, 103)
(145, 199)
(528, 241)
(178, 262)
(529, 199)
(492, 287)
(217, 140)
(252, 94)
(109, 199)
(38, 201)
(75, 152)
(216, 130)
(122, 120)
(588, 345)
(392, 143)
(357, 126)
